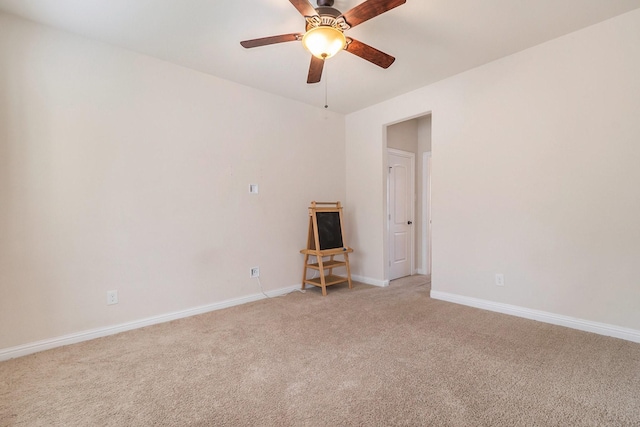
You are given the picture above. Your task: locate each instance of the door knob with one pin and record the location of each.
(409, 222)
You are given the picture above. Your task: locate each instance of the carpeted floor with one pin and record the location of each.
(368, 356)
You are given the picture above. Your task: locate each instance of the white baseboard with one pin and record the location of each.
(542, 316)
(34, 347)
(369, 281)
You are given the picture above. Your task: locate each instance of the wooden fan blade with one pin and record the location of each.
(369, 9)
(304, 7)
(315, 70)
(271, 40)
(369, 53)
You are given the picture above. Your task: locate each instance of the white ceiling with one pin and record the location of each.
(431, 39)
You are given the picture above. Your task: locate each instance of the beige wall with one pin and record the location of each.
(535, 175)
(119, 171)
(403, 136)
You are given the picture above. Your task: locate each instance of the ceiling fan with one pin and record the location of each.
(324, 33)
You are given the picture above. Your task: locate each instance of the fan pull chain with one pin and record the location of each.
(326, 85)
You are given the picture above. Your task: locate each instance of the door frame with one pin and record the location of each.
(412, 180)
(426, 212)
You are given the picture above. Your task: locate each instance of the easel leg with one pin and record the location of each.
(304, 271)
(331, 269)
(322, 281)
(346, 260)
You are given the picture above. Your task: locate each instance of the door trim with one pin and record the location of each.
(426, 212)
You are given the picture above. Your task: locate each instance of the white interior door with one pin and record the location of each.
(401, 212)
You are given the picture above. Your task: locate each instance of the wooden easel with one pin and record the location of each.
(325, 240)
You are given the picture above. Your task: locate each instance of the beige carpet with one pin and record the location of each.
(370, 357)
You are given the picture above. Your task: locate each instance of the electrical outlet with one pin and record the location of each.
(499, 279)
(112, 297)
(254, 272)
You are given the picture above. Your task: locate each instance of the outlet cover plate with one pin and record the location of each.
(112, 297)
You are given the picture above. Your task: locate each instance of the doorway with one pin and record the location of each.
(408, 254)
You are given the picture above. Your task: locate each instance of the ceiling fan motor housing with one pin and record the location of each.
(327, 16)
(323, 3)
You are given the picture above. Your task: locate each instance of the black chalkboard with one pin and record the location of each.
(329, 230)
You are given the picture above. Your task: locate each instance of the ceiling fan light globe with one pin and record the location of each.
(323, 42)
